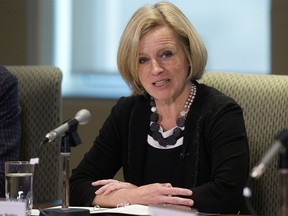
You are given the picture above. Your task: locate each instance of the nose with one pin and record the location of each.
(156, 67)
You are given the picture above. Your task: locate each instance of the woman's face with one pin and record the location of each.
(163, 66)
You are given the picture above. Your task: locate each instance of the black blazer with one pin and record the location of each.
(215, 150)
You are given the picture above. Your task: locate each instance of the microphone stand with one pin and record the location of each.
(283, 182)
(71, 138)
(257, 171)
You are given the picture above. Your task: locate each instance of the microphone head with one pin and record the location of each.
(83, 116)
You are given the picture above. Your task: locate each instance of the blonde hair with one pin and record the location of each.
(143, 20)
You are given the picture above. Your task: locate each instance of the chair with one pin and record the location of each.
(41, 105)
(264, 99)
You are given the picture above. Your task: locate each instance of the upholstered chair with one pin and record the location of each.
(264, 99)
(41, 105)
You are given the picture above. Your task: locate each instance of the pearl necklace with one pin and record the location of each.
(180, 122)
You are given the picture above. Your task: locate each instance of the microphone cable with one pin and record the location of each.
(247, 193)
(35, 161)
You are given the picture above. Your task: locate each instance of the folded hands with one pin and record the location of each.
(114, 192)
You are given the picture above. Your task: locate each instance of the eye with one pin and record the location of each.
(142, 60)
(167, 54)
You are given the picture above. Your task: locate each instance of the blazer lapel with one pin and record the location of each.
(137, 143)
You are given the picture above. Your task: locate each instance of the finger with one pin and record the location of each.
(103, 182)
(103, 189)
(112, 187)
(177, 206)
(167, 184)
(179, 201)
(108, 188)
(178, 192)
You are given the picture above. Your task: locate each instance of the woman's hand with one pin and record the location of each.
(165, 195)
(113, 193)
(110, 185)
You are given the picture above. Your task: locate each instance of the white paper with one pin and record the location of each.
(129, 210)
(160, 211)
(14, 208)
(135, 209)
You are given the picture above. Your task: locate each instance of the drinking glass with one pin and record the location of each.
(19, 182)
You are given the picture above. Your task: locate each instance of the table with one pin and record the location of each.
(59, 202)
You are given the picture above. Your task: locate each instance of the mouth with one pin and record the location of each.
(161, 82)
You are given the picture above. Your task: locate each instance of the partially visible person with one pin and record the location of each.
(180, 143)
(9, 122)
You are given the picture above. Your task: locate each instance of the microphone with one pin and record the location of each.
(82, 117)
(282, 140)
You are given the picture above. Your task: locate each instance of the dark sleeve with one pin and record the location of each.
(226, 146)
(9, 122)
(102, 161)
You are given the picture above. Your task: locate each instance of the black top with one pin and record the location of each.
(214, 155)
(166, 160)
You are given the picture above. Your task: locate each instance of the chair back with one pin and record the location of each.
(264, 99)
(41, 111)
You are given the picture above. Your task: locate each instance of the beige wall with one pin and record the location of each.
(19, 45)
(13, 37)
(99, 110)
(279, 37)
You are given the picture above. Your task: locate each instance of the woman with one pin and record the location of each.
(181, 144)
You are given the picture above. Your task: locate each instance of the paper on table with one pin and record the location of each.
(160, 211)
(36, 212)
(129, 210)
(141, 210)
(12, 207)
